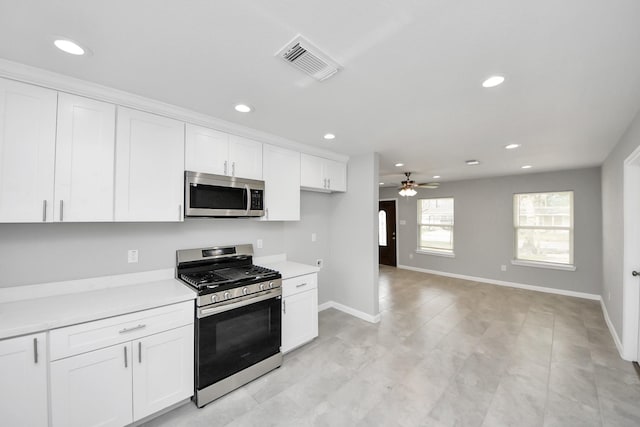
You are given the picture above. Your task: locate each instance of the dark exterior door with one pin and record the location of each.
(387, 233)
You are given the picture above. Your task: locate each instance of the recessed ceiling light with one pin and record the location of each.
(399, 165)
(526, 167)
(493, 81)
(329, 136)
(243, 108)
(69, 46)
(511, 146)
(472, 162)
(382, 183)
(436, 176)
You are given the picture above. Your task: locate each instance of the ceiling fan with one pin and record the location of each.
(408, 186)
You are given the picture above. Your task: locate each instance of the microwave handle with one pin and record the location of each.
(246, 187)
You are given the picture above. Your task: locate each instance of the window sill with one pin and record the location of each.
(549, 265)
(436, 253)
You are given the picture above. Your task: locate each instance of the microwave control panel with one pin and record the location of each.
(256, 200)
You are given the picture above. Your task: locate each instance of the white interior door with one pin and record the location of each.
(631, 262)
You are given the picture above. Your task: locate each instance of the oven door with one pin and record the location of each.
(233, 337)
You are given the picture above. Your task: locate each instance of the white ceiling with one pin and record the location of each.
(411, 83)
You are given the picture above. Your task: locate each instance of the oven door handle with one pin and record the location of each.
(205, 312)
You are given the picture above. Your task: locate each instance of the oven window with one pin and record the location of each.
(217, 197)
(231, 341)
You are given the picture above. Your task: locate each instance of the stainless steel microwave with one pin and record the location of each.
(208, 195)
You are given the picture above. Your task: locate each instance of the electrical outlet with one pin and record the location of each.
(319, 263)
(259, 243)
(403, 222)
(314, 237)
(503, 267)
(132, 256)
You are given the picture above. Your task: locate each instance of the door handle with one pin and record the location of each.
(635, 273)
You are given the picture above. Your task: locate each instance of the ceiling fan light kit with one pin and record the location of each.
(409, 186)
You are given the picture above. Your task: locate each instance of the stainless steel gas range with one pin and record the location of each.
(237, 319)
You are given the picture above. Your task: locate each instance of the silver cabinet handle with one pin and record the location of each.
(133, 328)
(35, 350)
(284, 306)
(44, 211)
(61, 210)
(301, 285)
(139, 351)
(233, 168)
(324, 183)
(125, 357)
(225, 167)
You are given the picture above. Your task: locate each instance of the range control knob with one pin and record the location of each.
(270, 285)
(245, 291)
(214, 298)
(227, 295)
(262, 286)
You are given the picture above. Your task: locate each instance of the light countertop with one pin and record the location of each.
(30, 315)
(290, 269)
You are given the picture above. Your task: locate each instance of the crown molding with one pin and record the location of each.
(63, 83)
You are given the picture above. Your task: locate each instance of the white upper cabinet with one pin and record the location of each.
(212, 151)
(23, 384)
(245, 157)
(281, 169)
(149, 167)
(27, 152)
(322, 174)
(206, 150)
(85, 151)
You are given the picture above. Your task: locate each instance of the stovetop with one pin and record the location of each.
(229, 277)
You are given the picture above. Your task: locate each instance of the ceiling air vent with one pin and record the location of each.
(306, 57)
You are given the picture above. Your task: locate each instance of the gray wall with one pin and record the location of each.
(315, 217)
(76, 251)
(484, 235)
(613, 222)
(353, 262)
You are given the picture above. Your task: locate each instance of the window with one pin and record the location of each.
(544, 227)
(435, 225)
(382, 228)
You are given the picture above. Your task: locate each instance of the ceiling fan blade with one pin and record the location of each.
(431, 185)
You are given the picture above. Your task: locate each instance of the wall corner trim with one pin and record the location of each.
(565, 292)
(614, 334)
(352, 311)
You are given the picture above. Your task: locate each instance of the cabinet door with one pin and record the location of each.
(149, 167)
(27, 150)
(23, 388)
(162, 370)
(281, 169)
(336, 175)
(92, 389)
(245, 157)
(299, 319)
(311, 172)
(207, 150)
(85, 151)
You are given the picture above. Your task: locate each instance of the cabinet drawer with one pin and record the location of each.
(84, 337)
(299, 284)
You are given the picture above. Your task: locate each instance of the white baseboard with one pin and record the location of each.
(614, 334)
(352, 311)
(584, 295)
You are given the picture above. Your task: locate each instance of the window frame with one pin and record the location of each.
(429, 250)
(571, 229)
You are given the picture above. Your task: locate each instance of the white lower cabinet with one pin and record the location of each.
(23, 381)
(299, 311)
(127, 381)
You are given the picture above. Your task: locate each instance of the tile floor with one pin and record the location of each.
(447, 352)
